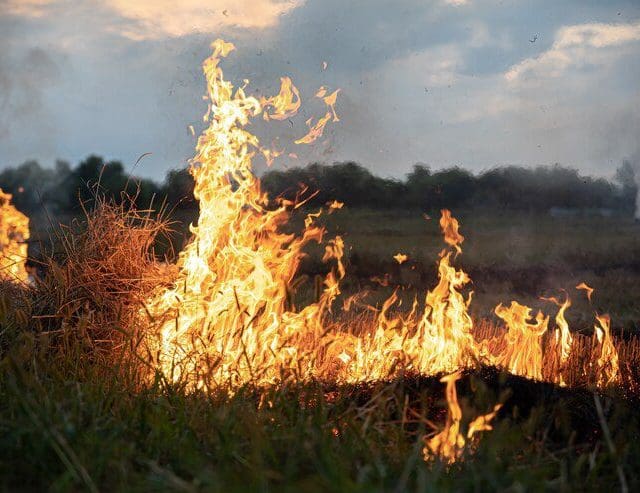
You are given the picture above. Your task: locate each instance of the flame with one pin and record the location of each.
(589, 290)
(315, 129)
(523, 353)
(450, 227)
(14, 233)
(401, 258)
(285, 104)
(449, 444)
(563, 337)
(330, 101)
(230, 315)
(607, 363)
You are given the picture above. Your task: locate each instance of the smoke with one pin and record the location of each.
(23, 79)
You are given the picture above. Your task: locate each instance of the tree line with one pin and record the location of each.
(62, 189)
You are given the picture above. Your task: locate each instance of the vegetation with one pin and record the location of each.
(511, 187)
(503, 188)
(78, 411)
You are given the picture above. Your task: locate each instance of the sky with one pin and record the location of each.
(471, 83)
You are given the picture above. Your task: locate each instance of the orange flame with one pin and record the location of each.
(563, 336)
(401, 258)
(285, 104)
(589, 290)
(14, 233)
(450, 227)
(607, 363)
(523, 353)
(449, 444)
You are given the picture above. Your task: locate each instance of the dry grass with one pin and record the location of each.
(89, 292)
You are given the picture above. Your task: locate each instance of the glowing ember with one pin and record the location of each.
(14, 233)
(401, 258)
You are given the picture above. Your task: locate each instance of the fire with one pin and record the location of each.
(607, 363)
(588, 289)
(316, 130)
(230, 318)
(449, 444)
(563, 337)
(14, 233)
(285, 104)
(401, 258)
(523, 353)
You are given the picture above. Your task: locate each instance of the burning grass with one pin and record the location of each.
(86, 296)
(216, 358)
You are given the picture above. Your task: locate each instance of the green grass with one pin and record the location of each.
(60, 433)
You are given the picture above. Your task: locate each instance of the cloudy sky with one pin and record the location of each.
(476, 83)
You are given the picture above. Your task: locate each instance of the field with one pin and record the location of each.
(508, 255)
(70, 423)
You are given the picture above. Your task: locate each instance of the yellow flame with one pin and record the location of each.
(449, 444)
(607, 363)
(401, 258)
(563, 337)
(285, 104)
(523, 353)
(14, 233)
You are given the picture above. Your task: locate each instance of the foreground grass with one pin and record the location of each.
(61, 433)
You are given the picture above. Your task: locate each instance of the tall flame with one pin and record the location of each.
(14, 233)
(607, 363)
(229, 317)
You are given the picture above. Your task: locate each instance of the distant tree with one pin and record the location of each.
(420, 187)
(31, 184)
(178, 188)
(94, 175)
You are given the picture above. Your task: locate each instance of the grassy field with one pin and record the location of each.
(69, 422)
(509, 255)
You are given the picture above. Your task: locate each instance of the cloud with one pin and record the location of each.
(154, 19)
(575, 46)
(158, 19)
(25, 8)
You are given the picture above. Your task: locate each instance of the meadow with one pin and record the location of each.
(75, 419)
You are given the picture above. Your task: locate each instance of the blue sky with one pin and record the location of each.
(476, 83)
